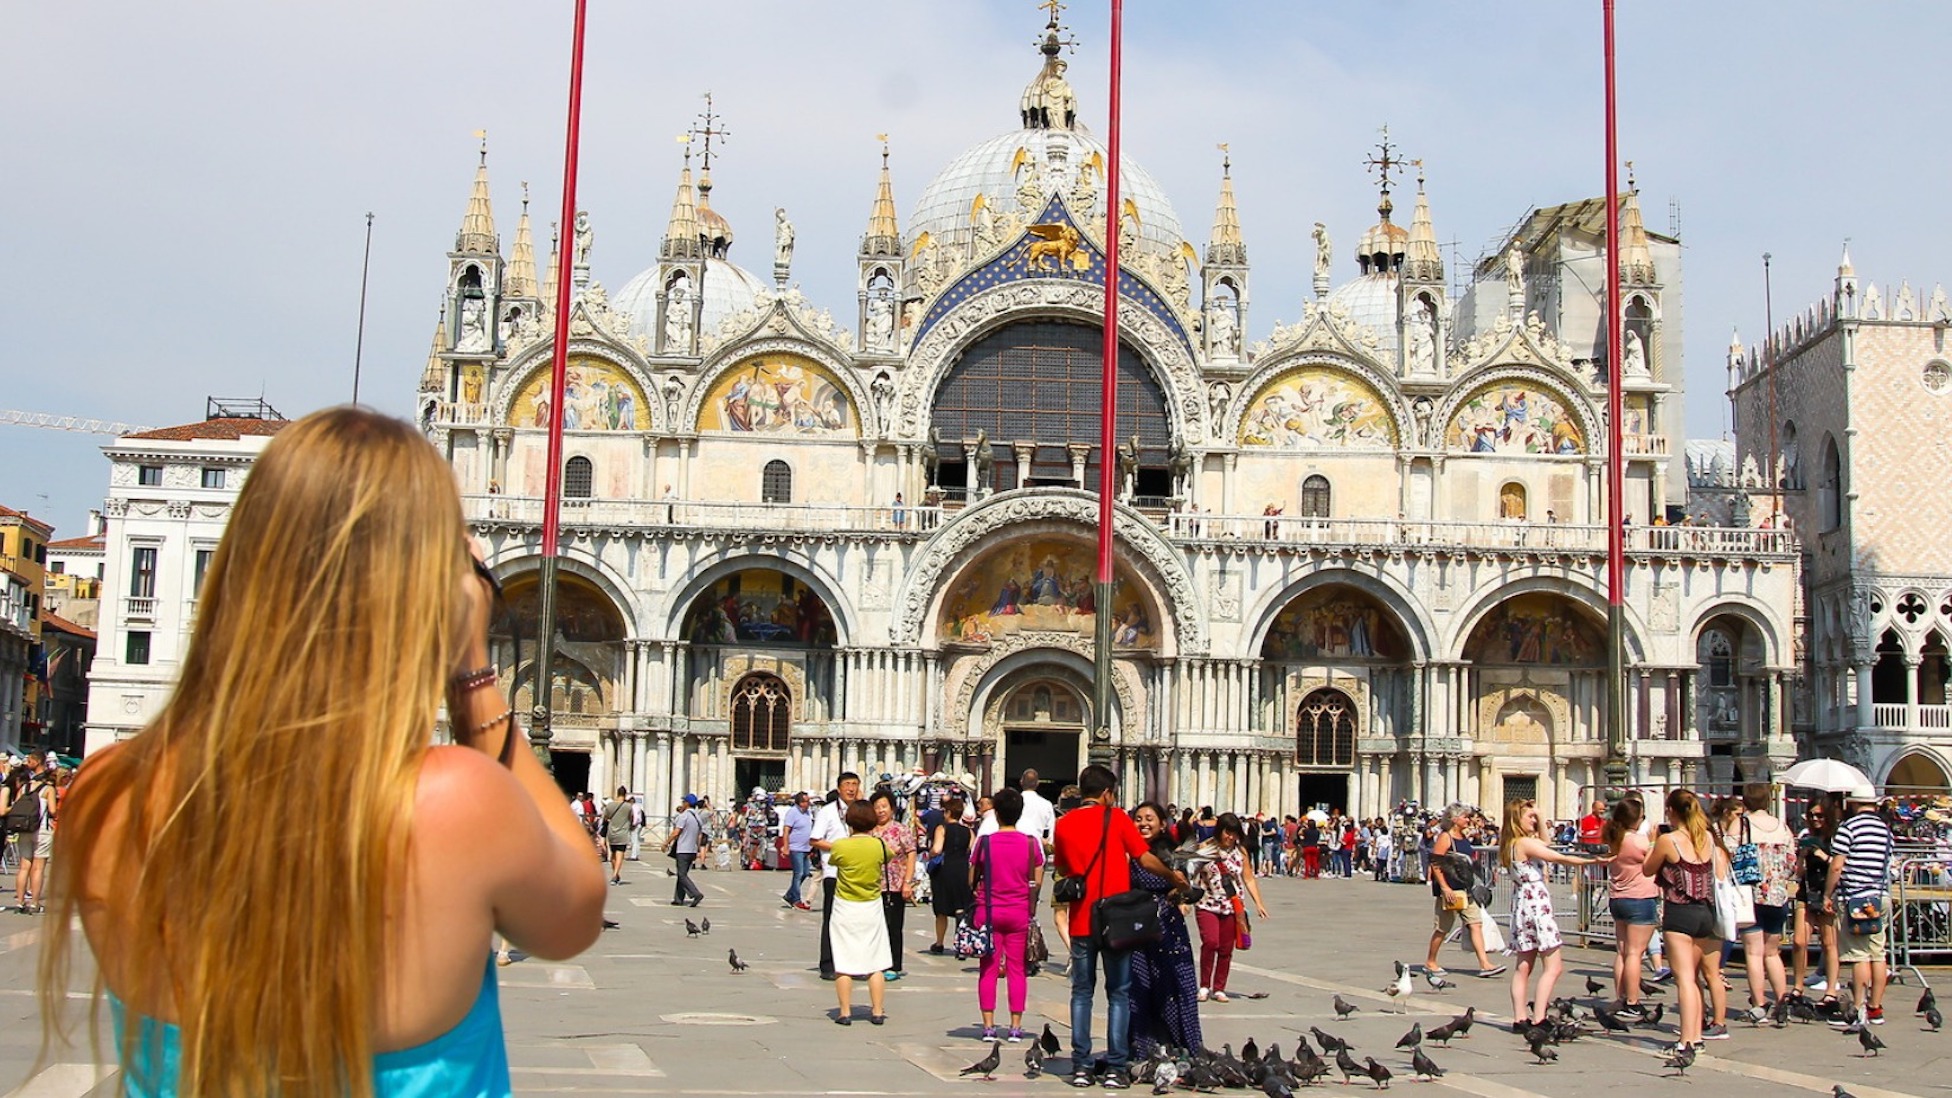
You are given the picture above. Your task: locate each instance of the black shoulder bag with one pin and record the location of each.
(1127, 920)
(1070, 890)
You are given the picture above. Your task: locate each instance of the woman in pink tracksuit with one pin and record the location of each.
(1005, 871)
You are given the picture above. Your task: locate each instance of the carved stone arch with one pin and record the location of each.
(1146, 551)
(732, 354)
(1919, 751)
(519, 560)
(980, 675)
(1647, 299)
(1573, 397)
(670, 612)
(1050, 299)
(1363, 369)
(1467, 619)
(1910, 612)
(539, 356)
(1752, 612)
(1410, 616)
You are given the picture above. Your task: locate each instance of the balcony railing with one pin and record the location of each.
(712, 514)
(1936, 718)
(450, 413)
(1297, 530)
(1644, 445)
(138, 608)
(1528, 536)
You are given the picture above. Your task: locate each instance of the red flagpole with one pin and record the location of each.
(540, 731)
(1101, 751)
(1616, 764)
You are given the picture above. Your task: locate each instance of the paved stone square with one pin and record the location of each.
(649, 1011)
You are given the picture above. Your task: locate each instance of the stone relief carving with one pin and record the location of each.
(1148, 552)
(970, 670)
(779, 309)
(1226, 596)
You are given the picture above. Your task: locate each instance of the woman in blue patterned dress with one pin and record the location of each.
(1165, 988)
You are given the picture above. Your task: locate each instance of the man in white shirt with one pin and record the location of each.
(829, 827)
(1039, 816)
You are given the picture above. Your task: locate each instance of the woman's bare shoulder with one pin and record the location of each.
(462, 785)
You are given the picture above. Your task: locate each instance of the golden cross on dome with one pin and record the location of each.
(709, 129)
(1055, 7)
(1386, 163)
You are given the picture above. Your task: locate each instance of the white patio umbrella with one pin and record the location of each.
(1318, 815)
(1829, 775)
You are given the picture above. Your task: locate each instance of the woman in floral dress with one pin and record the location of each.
(1164, 989)
(1535, 937)
(897, 876)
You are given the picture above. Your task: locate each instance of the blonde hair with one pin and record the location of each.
(1689, 817)
(262, 818)
(1513, 830)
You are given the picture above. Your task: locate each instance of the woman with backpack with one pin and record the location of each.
(1773, 848)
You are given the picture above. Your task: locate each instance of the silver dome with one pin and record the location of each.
(943, 209)
(1370, 300)
(729, 289)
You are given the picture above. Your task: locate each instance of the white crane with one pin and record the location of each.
(82, 425)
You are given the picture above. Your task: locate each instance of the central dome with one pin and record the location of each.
(998, 167)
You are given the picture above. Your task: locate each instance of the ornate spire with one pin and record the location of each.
(714, 232)
(1844, 269)
(884, 229)
(681, 233)
(434, 378)
(1048, 102)
(549, 278)
(520, 280)
(1225, 245)
(1421, 258)
(478, 224)
(1381, 248)
(1637, 262)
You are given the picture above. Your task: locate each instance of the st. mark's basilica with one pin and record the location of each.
(1361, 559)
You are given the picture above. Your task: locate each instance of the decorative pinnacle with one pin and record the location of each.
(1385, 163)
(483, 135)
(1056, 35)
(1631, 185)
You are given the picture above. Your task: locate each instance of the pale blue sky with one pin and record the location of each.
(185, 185)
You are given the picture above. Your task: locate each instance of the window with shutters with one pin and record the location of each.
(579, 478)
(776, 483)
(1314, 497)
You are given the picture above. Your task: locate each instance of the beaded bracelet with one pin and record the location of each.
(493, 721)
(476, 679)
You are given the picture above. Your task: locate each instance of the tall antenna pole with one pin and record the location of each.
(359, 342)
(540, 731)
(1616, 570)
(1768, 366)
(1101, 679)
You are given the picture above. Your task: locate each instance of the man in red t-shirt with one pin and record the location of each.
(1592, 826)
(1098, 842)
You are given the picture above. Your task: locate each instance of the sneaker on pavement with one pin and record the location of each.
(1874, 1015)
(1630, 1013)
(1757, 1014)
(1203, 994)
(1082, 1079)
(1714, 1031)
(1116, 1080)
(1219, 997)
(1016, 1035)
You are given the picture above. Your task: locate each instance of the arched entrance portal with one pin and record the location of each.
(1918, 773)
(1043, 730)
(585, 677)
(1537, 683)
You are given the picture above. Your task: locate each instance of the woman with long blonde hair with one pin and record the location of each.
(287, 887)
(1535, 939)
(1684, 863)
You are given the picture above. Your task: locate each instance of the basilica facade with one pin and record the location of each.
(1360, 553)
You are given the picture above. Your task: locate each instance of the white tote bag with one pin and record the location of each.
(1734, 908)
(1494, 935)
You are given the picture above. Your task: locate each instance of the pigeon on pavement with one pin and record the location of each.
(1594, 987)
(1250, 1053)
(1611, 1021)
(1425, 1067)
(1347, 1065)
(611, 924)
(732, 957)
(1540, 1039)
(1837, 1091)
(1377, 1072)
(691, 929)
(1441, 1034)
(1344, 1008)
(1048, 1041)
(706, 924)
(1927, 1001)
(1033, 1061)
(1412, 1039)
(1436, 982)
(987, 1065)
(1680, 1061)
(1869, 1040)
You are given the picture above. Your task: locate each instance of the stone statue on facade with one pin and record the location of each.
(1421, 333)
(782, 241)
(1218, 396)
(677, 319)
(1423, 409)
(474, 326)
(1515, 272)
(674, 393)
(585, 238)
(881, 324)
(1222, 330)
(1324, 251)
(1633, 360)
(884, 396)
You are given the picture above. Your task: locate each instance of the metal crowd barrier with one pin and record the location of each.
(1921, 913)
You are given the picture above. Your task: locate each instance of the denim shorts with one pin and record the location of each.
(1771, 918)
(1628, 911)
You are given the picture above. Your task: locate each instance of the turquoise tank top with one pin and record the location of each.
(468, 1061)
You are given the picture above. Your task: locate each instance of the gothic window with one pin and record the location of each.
(776, 483)
(1829, 490)
(1325, 730)
(761, 714)
(579, 478)
(1044, 702)
(1314, 497)
(1719, 658)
